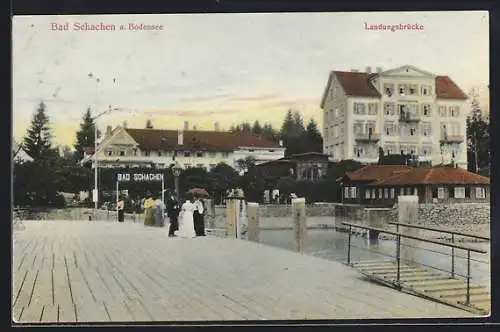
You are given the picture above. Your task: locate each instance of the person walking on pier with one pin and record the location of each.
(120, 207)
(173, 209)
(186, 222)
(159, 208)
(199, 217)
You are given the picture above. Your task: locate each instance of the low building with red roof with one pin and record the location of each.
(380, 185)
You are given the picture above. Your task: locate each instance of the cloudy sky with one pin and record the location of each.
(223, 67)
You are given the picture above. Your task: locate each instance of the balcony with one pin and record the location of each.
(366, 137)
(407, 117)
(451, 138)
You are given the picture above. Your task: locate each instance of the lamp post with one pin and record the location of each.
(176, 170)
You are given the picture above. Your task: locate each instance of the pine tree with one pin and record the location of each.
(38, 143)
(149, 124)
(85, 137)
(478, 138)
(257, 129)
(314, 140)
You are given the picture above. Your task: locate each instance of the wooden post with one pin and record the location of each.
(231, 217)
(253, 212)
(299, 223)
(408, 214)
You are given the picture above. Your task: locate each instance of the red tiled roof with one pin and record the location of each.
(204, 140)
(357, 84)
(447, 89)
(377, 172)
(438, 175)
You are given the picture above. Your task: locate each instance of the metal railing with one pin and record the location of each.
(399, 236)
(439, 230)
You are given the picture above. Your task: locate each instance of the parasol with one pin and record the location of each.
(199, 192)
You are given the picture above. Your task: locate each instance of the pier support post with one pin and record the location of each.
(408, 214)
(231, 217)
(253, 213)
(299, 223)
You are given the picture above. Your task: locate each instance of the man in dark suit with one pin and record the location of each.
(173, 210)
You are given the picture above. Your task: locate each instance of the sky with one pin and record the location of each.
(226, 68)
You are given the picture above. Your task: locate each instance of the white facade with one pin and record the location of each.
(408, 117)
(120, 149)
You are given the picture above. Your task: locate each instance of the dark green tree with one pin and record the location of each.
(85, 137)
(314, 140)
(478, 138)
(38, 141)
(257, 129)
(222, 178)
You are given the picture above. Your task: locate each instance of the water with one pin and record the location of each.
(332, 245)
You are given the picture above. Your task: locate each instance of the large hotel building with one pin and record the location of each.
(403, 110)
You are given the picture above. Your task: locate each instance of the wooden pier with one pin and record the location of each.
(80, 271)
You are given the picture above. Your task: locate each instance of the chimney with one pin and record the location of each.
(186, 125)
(217, 126)
(109, 129)
(379, 70)
(180, 137)
(369, 69)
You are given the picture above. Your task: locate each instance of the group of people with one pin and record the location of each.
(186, 220)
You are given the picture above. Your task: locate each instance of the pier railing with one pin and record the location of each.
(398, 259)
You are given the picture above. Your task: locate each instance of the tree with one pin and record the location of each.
(478, 138)
(257, 129)
(222, 178)
(37, 142)
(246, 163)
(314, 140)
(85, 137)
(149, 124)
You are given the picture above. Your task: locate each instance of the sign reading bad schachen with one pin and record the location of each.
(139, 177)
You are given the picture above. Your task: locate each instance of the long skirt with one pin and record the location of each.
(159, 217)
(149, 219)
(121, 215)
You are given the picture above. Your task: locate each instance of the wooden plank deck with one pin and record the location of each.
(434, 285)
(78, 271)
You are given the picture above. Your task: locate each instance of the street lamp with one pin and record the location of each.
(176, 170)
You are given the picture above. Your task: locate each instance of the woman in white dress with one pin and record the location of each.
(186, 221)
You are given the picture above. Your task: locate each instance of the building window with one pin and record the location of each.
(454, 111)
(393, 192)
(122, 153)
(358, 151)
(147, 153)
(386, 193)
(403, 88)
(415, 191)
(426, 90)
(359, 108)
(459, 192)
(388, 89)
(413, 89)
(159, 153)
(270, 150)
(200, 154)
(412, 131)
(426, 150)
(367, 193)
(401, 191)
(187, 153)
(441, 193)
(346, 192)
(426, 110)
(373, 193)
(380, 193)
(110, 153)
(372, 109)
(225, 154)
(186, 166)
(480, 192)
(408, 191)
(389, 109)
(442, 110)
(426, 129)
